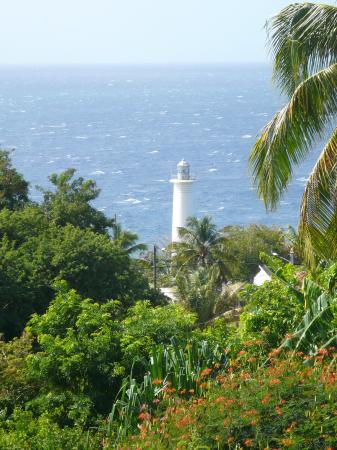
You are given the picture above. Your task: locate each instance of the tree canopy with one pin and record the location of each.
(13, 187)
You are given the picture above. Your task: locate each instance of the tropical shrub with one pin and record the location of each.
(70, 363)
(176, 368)
(272, 310)
(24, 432)
(287, 404)
(77, 363)
(318, 326)
(15, 388)
(146, 326)
(199, 291)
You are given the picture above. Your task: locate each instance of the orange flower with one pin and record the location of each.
(144, 416)
(274, 382)
(244, 375)
(278, 410)
(226, 422)
(252, 359)
(205, 372)
(292, 426)
(184, 421)
(266, 399)
(169, 390)
(287, 442)
(157, 381)
(251, 412)
(248, 442)
(323, 351)
(185, 437)
(229, 402)
(242, 352)
(275, 352)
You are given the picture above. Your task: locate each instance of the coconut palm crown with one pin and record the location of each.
(202, 247)
(303, 41)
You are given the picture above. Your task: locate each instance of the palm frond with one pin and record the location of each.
(289, 136)
(318, 219)
(303, 39)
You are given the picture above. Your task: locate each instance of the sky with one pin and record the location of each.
(134, 31)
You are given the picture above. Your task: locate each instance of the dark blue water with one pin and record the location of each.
(127, 127)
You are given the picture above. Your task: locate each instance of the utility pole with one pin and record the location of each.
(292, 255)
(155, 267)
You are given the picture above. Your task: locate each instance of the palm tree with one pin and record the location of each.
(303, 39)
(199, 291)
(202, 247)
(200, 243)
(126, 240)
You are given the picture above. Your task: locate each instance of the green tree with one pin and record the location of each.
(90, 262)
(70, 202)
(77, 365)
(13, 187)
(272, 310)
(22, 224)
(303, 40)
(83, 349)
(200, 243)
(199, 291)
(126, 240)
(146, 326)
(244, 245)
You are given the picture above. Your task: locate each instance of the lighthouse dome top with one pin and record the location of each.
(182, 163)
(183, 169)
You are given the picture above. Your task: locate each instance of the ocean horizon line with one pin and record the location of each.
(135, 64)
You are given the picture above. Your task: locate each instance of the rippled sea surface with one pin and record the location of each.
(127, 127)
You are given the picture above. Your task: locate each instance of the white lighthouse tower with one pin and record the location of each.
(182, 198)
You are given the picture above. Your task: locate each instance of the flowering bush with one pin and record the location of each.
(291, 403)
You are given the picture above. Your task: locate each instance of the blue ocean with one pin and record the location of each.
(127, 127)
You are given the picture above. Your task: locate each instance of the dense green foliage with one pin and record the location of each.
(244, 245)
(64, 238)
(207, 257)
(90, 262)
(13, 187)
(70, 203)
(285, 405)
